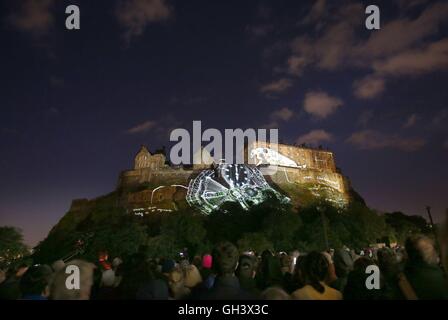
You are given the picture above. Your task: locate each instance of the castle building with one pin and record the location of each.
(152, 170)
(313, 170)
(153, 185)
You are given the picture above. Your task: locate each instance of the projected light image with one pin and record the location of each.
(272, 157)
(229, 183)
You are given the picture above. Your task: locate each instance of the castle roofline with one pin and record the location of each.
(294, 146)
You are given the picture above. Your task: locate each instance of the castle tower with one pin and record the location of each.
(142, 159)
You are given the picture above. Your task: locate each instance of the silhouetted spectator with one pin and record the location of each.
(275, 293)
(247, 268)
(356, 288)
(227, 285)
(59, 290)
(176, 283)
(314, 272)
(390, 270)
(153, 289)
(207, 273)
(297, 277)
(331, 276)
(343, 264)
(34, 285)
(422, 270)
(10, 288)
(107, 289)
(269, 273)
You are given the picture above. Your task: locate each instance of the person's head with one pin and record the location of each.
(315, 270)
(108, 278)
(116, 262)
(247, 267)
(176, 276)
(59, 290)
(192, 276)
(176, 279)
(420, 249)
(361, 264)
(343, 262)
(275, 293)
(167, 266)
(294, 254)
(387, 261)
(197, 261)
(36, 281)
(286, 263)
(266, 254)
(58, 265)
(225, 258)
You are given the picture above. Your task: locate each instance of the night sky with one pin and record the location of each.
(76, 105)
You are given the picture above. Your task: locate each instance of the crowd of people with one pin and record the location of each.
(412, 272)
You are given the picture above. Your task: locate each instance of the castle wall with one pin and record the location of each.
(315, 159)
(309, 166)
(158, 196)
(307, 176)
(163, 176)
(299, 166)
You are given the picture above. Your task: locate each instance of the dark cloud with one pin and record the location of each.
(315, 137)
(320, 104)
(277, 86)
(33, 17)
(278, 116)
(411, 121)
(371, 139)
(142, 127)
(135, 15)
(403, 46)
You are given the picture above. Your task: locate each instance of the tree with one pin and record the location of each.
(404, 225)
(118, 240)
(281, 228)
(255, 241)
(356, 226)
(11, 245)
(183, 229)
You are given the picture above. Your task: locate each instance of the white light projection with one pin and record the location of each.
(266, 156)
(229, 183)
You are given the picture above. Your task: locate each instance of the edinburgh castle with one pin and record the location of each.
(154, 185)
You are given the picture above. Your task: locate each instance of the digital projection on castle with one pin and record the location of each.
(239, 183)
(267, 156)
(303, 174)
